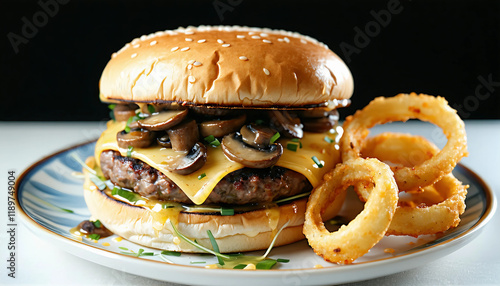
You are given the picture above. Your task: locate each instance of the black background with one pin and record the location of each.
(435, 47)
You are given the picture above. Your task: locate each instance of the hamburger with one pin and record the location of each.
(225, 129)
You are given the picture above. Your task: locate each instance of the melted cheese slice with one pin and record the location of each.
(218, 165)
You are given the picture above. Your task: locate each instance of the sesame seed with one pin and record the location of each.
(226, 45)
(220, 41)
(303, 41)
(114, 55)
(185, 49)
(266, 71)
(188, 39)
(143, 37)
(240, 36)
(202, 41)
(264, 35)
(190, 66)
(267, 41)
(191, 79)
(287, 40)
(153, 43)
(191, 62)
(133, 55)
(243, 58)
(251, 33)
(136, 46)
(256, 37)
(174, 49)
(188, 32)
(280, 40)
(196, 64)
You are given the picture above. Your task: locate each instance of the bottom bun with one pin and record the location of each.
(248, 231)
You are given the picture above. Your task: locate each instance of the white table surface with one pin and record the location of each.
(41, 263)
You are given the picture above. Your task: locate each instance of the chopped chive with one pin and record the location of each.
(98, 182)
(282, 260)
(151, 109)
(292, 147)
(209, 138)
(67, 210)
(266, 264)
(94, 236)
(167, 206)
(171, 253)
(129, 151)
(317, 162)
(111, 106)
(292, 198)
(140, 252)
(202, 176)
(215, 143)
(147, 254)
(329, 140)
(259, 121)
(275, 137)
(128, 195)
(197, 262)
(123, 248)
(298, 141)
(215, 246)
(97, 223)
(226, 211)
(240, 266)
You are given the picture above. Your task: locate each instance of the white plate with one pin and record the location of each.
(49, 186)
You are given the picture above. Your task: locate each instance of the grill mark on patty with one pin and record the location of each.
(240, 187)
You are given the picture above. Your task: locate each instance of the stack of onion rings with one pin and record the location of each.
(419, 170)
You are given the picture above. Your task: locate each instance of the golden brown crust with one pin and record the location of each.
(229, 66)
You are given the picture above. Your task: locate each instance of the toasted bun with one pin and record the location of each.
(241, 232)
(226, 66)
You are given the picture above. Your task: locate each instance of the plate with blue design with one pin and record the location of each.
(50, 202)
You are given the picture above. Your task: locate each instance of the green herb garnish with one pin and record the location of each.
(214, 142)
(197, 262)
(123, 248)
(292, 147)
(171, 253)
(226, 211)
(282, 260)
(111, 106)
(259, 122)
(151, 109)
(94, 236)
(215, 246)
(128, 195)
(266, 264)
(202, 176)
(129, 151)
(317, 162)
(275, 137)
(328, 139)
(97, 223)
(139, 253)
(240, 266)
(297, 140)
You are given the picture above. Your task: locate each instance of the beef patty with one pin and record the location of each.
(240, 187)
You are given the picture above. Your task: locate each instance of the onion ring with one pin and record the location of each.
(401, 108)
(369, 226)
(420, 214)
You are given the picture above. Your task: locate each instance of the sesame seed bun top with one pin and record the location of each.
(226, 66)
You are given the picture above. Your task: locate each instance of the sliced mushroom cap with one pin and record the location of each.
(321, 124)
(163, 120)
(164, 141)
(258, 136)
(137, 138)
(184, 136)
(234, 148)
(286, 124)
(191, 162)
(123, 112)
(219, 128)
